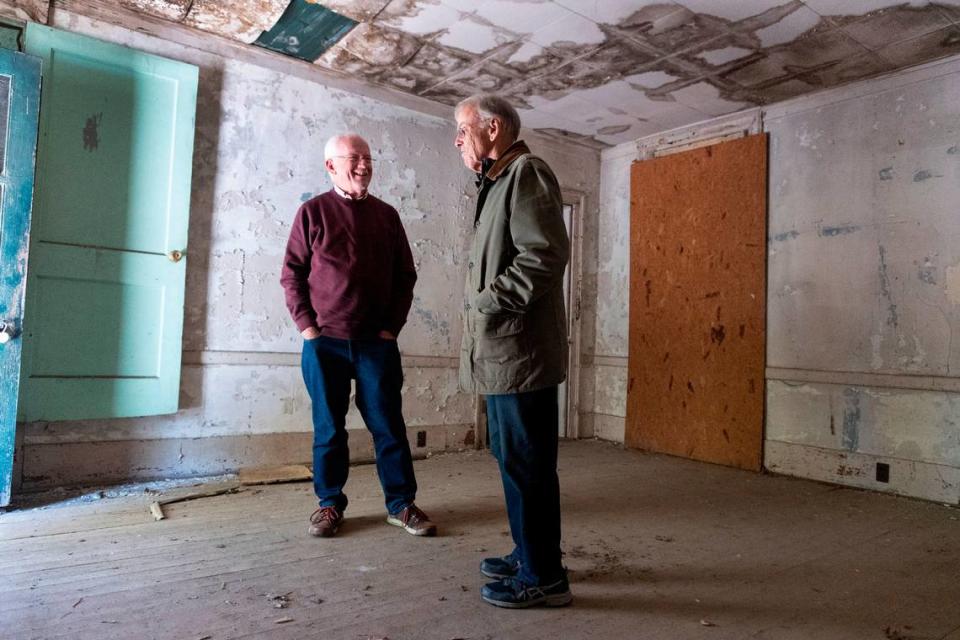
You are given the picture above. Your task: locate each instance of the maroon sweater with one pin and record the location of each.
(348, 268)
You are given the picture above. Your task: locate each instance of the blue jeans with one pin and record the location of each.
(523, 438)
(328, 365)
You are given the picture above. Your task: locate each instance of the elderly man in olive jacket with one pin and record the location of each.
(514, 348)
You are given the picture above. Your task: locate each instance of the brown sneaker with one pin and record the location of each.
(325, 521)
(414, 520)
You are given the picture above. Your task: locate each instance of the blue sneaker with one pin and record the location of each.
(512, 593)
(499, 568)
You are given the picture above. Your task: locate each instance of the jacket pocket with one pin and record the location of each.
(500, 357)
(498, 325)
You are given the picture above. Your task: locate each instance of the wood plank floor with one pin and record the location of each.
(657, 548)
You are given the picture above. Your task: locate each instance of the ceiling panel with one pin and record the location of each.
(607, 70)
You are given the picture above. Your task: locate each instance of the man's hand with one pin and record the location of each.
(310, 333)
(386, 335)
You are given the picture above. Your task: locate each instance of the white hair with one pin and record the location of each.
(489, 106)
(330, 149)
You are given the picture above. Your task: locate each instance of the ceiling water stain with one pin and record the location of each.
(718, 64)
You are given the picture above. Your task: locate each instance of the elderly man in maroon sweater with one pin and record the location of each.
(348, 277)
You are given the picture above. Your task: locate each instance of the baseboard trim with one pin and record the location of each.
(925, 480)
(69, 464)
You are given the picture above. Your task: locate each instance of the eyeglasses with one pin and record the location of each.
(354, 159)
(480, 122)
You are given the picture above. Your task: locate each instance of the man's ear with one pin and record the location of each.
(328, 163)
(495, 128)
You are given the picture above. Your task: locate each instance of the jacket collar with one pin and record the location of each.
(513, 152)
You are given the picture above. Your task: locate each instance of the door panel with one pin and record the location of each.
(697, 303)
(115, 155)
(121, 290)
(19, 100)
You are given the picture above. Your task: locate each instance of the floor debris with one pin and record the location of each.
(157, 511)
(156, 507)
(275, 474)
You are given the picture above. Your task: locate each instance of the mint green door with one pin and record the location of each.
(19, 100)
(104, 319)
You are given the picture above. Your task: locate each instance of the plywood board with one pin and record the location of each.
(697, 303)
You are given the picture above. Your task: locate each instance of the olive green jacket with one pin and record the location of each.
(515, 329)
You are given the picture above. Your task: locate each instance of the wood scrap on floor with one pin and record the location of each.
(156, 507)
(247, 477)
(275, 474)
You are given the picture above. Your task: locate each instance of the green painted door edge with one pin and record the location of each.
(305, 31)
(16, 187)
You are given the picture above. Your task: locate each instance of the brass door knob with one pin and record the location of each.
(176, 255)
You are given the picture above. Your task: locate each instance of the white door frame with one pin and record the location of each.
(578, 201)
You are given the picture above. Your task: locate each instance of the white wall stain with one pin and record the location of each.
(953, 283)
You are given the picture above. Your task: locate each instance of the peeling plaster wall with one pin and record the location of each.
(258, 156)
(863, 241)
(863, 265)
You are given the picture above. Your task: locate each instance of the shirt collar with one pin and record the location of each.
(512, 152)
(485, 165)
(346, 196)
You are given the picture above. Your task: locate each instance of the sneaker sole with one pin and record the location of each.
(497, 576)
(414, 532)
(556, 600)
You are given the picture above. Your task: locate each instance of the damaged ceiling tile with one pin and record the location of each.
(527, 59)
(358, 10)
(613, 11)
(418, 18)
(306, 30)
(732, 11)
(617, 58)
(449, 93)
(803, 59)
(573, 107)
(519, 16)
(650, 20)
(689, 35)
(706, 98)
(931, 46)
(175, 10)
(867, 64)
(439, 61)
(242, 20)
(852, 7)
(338, 59)
(886, 26)
(490, 76)
(26, 10)
(788, 28)
(717, 57)
(475, 35)
(950, 9)
(381, 46)
(650, 79)
(607, 69)
(410, 79)
(572, 29)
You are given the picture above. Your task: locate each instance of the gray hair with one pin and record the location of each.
(330, 149)
(491, 106)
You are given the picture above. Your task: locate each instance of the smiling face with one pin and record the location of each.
(350, 166)
(475, 138)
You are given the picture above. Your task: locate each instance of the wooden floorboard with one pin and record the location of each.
(657, 547)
